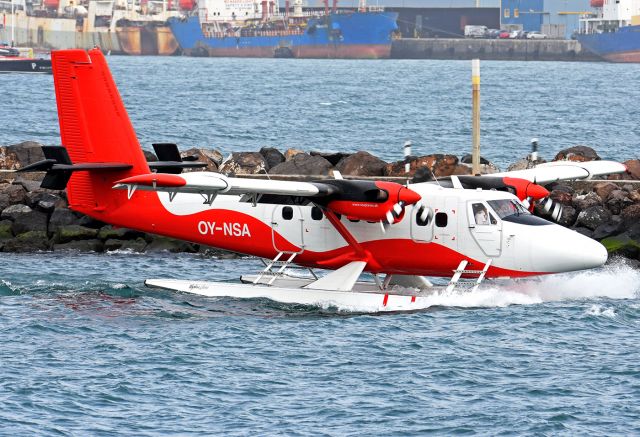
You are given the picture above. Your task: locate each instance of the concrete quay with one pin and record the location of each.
(491, 49)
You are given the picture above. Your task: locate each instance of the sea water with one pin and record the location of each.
(245, 104)
(86, 349)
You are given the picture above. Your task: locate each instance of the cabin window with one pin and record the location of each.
(442, 219)
(316, 213)
(287, 213)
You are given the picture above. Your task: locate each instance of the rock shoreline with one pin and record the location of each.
(34, 219)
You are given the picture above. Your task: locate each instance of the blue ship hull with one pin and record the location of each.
(341, 35)
(620, 46)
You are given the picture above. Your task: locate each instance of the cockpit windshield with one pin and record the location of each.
(507, 207)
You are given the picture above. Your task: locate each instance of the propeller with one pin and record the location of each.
(549, 208)
(394, 215)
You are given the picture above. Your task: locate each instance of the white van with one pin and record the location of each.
(475, 31)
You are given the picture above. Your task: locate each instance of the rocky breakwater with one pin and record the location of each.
(34, 219)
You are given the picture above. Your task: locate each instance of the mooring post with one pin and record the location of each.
(407, 154)
(534, 149)
(475, 86)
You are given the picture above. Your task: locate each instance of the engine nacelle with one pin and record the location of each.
(371, 201)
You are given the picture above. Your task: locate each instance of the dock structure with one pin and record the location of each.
(490, 49)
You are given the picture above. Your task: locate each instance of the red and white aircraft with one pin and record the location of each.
(463, 227)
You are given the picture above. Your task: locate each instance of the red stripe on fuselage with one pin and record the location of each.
(146, 213)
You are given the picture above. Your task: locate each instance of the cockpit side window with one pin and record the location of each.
(507, 207)
(482, 215)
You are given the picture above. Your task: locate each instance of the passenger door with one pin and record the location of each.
(287, 221)
(485, 228)
(446, 224)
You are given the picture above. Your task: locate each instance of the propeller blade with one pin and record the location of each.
(557, 212)
(390, 218)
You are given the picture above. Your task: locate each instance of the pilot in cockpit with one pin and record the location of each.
(480, 214)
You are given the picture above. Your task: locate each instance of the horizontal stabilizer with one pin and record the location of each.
(59, 167)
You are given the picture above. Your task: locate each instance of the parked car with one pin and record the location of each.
(516, 34)
(504, 34)
(493, 33)
(536, 35)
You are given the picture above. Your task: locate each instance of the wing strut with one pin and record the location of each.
(344, 232)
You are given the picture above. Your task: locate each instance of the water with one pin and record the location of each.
(85, 349)
(244, 104)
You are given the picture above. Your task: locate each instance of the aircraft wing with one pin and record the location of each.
(564, 170)
(207, 183)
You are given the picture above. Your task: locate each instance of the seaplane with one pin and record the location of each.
(379, 243)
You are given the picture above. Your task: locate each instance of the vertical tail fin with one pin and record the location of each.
(94, 127)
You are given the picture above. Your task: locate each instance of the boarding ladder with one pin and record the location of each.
(281, 262)
(473, 277)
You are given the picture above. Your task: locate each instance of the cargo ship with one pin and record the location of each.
(118, 27)
(613, 32)
(256, 28)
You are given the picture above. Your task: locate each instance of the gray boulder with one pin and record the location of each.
(28, 181)
(593, 217)
(440, 165)
(5, 229)
(568, 216)
(14, 193)
(334, 158)
(90, 222)
(612, 227)
(149, 156)
(631, 214)
(211, 157)
(80, 246)
(561, 197)
(20, 155)
(303, 164)
(272, 155)
(164, 244)
(45, 200)
(137, 245)
(30, 221)
(66, 234)
(14, 212)
(584, 231)
(603, 189)
(62, 217)
(244, 163)
(617, 201)
(584, 201)
(361, 164)
(110, 233)
(33, 241)
(578, 154)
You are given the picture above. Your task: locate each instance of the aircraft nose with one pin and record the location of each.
(557, 249)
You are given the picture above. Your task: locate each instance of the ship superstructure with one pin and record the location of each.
(257, 28)
(613, 32)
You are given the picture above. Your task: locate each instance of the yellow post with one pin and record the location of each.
(475, 85)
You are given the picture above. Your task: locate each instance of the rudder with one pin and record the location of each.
(94, 127)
